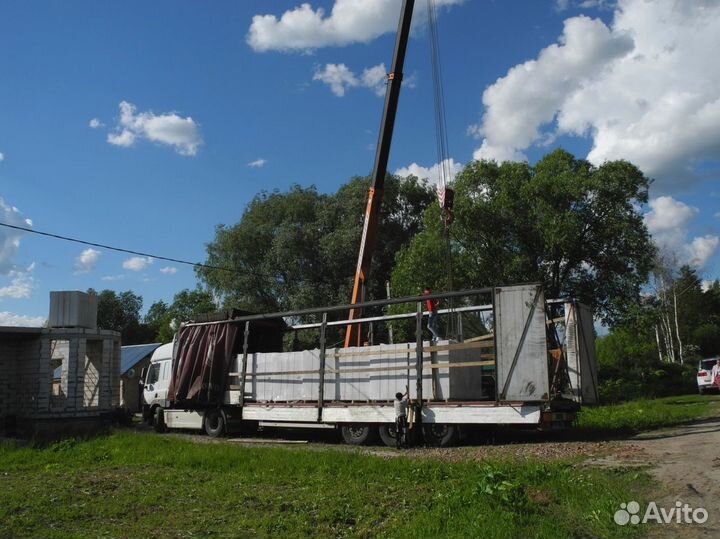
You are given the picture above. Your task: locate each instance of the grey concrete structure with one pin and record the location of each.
(89, 389)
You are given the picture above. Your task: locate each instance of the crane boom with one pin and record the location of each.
(372, 210)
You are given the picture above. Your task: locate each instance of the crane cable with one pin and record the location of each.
(445, 193)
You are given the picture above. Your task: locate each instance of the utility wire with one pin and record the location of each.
(121, 250)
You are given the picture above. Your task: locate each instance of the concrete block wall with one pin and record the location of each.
(8, 376)
(26, 374)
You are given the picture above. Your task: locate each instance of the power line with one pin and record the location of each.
(119, 249)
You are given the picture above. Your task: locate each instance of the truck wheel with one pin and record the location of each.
(159, 420)
(214, 423)
(438, 435)
(387, 434)
(358, 434)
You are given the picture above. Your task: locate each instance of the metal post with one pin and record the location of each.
(460, 336)
(390, 326)
(321, 388)
(243, 371)
(419, 362)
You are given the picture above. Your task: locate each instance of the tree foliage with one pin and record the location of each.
(298, 249)
(187, 305)
(121, 312)
(564, 222)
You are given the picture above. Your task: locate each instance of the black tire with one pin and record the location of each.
(214, 423)
(701, 391)
(158, 420)
(440, 435)
(358, 434)
(387, 434)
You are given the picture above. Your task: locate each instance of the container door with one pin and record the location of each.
(521, 343)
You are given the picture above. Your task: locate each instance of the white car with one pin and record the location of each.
(704, 375)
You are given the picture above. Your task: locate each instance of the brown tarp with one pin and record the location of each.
(201, 364)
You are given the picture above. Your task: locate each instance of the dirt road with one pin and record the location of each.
(686, 461)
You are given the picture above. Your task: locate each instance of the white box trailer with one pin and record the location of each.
(510, 378)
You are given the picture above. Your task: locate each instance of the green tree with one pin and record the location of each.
(564, 222)
(121, 312)
(299, 248)
(187, 305)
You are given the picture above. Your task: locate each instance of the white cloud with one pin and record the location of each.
(432, 173)
(350, 21)
(17, 320)
(170, 129)
(9, 238)
(644, 89)
(112, 278)
(95, 123)
(531, 94)
(2, 157)
(375, 78)
(668, 215)
(137, 263)
(668, 222)
(717, 215)
(340, 78)
(702, 249)
(87, 260)
(258, 163)
(706, 284)
(21, 284)
(169, 270)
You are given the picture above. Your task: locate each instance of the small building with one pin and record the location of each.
(62, 380)
(134, 360)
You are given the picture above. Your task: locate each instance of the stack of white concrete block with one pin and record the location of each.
(362, 374)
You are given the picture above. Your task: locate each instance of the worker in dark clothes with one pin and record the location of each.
(401, 423)
(432, 307)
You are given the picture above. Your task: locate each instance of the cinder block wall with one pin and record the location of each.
(8, 376)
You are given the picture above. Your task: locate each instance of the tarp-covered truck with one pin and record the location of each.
(534, 366)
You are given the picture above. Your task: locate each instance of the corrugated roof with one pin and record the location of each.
(132, 355)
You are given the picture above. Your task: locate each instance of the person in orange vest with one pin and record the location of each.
(432, 307)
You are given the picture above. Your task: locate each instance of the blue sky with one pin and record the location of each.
(146, 124)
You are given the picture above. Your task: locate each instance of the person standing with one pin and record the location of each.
(401, 423)
(715, 374)
(432, 307)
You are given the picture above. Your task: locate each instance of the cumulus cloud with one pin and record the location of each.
(350, 21)
(432, 173)
(95, 123)
(258, 163)
(170, 129)
(17, 320)
(112, 278)
(137, 263)
(340, 78)
(642, 88)
(169, 270)
(86, 261)
(702, 249)
(669, 221)
(21, 284)
(9, 238)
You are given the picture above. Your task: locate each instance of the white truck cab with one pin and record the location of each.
(155, 386)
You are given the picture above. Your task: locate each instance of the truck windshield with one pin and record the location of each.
(153, 373)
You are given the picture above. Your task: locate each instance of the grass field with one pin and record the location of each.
(145, 485)
(646, 414)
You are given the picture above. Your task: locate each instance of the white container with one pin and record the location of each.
(73, 310)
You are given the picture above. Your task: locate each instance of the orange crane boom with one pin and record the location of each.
(353, 335)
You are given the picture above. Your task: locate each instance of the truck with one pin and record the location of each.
(513, 359)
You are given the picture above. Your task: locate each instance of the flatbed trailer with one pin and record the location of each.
(525, 374)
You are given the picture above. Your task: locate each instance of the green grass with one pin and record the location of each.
(145, 485)
(646, 414)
